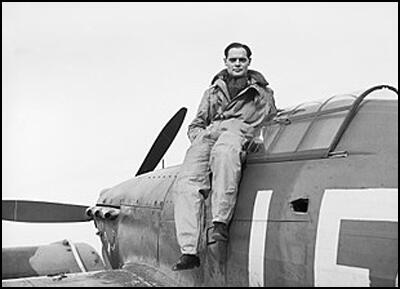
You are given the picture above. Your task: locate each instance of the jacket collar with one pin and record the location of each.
(254, 77)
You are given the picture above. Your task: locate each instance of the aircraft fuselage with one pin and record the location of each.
(303, 218)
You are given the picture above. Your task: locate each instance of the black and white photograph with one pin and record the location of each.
(200, 144)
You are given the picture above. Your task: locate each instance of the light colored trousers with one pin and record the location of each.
(215, 150)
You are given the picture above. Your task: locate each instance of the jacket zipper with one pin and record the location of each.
(230, 104)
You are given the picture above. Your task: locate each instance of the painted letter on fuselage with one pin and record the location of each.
(366, 220)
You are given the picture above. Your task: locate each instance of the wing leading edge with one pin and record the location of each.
(133, 275)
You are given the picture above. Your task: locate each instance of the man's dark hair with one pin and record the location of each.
(237, 45)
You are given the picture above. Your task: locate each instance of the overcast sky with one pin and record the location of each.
(86, 87)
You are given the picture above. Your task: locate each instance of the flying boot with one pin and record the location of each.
(186, 262)
(220, 232)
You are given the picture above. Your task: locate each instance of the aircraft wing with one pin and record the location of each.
(132, 275)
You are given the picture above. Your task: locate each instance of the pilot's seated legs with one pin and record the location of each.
(226, 160)
(224, 157)
(193, 177)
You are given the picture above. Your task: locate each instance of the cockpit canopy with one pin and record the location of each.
(313, 129)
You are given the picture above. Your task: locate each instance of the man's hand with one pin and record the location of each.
(193, 133)
(256, 145)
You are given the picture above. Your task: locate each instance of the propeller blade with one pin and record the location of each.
(42, 212)
(162, 142)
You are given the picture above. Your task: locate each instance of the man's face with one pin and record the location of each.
(237, 62)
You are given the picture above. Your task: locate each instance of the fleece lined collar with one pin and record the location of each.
(254, 77)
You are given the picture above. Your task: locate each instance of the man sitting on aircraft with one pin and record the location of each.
(231, 110)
